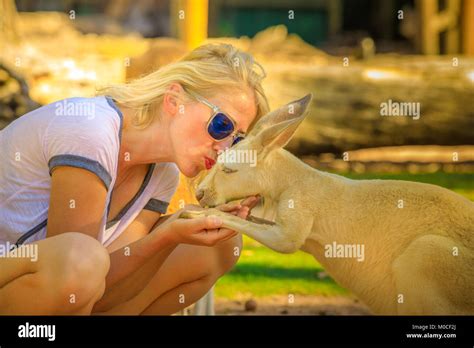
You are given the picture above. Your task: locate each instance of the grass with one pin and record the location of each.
(262, 272)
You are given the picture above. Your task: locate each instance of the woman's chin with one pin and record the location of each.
(190, 171)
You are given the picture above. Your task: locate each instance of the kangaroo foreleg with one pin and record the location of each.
(270, 234)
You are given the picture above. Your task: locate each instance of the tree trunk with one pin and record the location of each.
(8, 20)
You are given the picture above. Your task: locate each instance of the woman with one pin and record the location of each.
(85, 181)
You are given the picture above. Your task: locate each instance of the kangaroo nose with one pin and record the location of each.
(199, 194)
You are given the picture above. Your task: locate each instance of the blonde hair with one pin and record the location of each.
(205, 71)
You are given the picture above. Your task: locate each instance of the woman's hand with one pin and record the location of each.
(241, 210)
(206, 230)
(201, 231)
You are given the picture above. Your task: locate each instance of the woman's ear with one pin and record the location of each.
(172, 99)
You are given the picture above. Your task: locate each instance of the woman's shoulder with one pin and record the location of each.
(86, 133)
(91, 120)
(96, 113)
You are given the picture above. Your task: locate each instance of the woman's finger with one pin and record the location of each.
(214, 237)
(198, 224)
(224, 235)
(244, 212)
(228, 207)
(232, 235)
(247, 200)
(224, 230)
(251, 201)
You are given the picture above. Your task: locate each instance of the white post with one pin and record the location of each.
(205, 306)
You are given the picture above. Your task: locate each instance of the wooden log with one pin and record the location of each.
(346, 112)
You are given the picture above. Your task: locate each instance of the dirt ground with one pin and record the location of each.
(302, 305)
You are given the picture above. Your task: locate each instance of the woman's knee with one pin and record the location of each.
(69, 274)
(78, 272)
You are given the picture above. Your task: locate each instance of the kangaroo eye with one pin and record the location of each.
(228, 170)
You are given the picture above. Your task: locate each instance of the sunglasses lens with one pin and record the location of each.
(236, 140)
(220, 126)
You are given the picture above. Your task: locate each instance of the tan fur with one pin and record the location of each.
(418, 259)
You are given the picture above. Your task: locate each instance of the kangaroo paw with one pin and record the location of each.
(193, 214)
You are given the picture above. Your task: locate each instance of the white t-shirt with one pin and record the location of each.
(77, 132)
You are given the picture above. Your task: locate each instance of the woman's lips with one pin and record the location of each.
(209, 162)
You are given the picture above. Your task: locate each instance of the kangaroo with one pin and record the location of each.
(401, 247)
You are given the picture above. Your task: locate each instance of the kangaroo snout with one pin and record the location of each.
(199, 194)
(206, 197)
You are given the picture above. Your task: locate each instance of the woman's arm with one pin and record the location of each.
(139, 261)
(77, 202)
(137, 253)
(138, 233)
(141, 258)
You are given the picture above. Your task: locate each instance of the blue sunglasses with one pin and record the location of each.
(221, 126)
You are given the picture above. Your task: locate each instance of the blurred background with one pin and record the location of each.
(353, 55)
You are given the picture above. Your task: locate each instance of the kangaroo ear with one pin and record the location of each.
(279, 126)
(284, 113)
